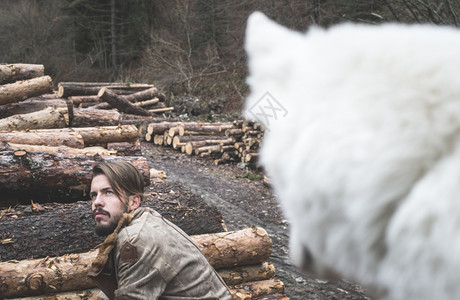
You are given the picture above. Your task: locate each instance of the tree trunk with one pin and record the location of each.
(120, 103)
(29, 106)
(54, 229)
(67, 89)
(68, 272)
(35, 175)
(47, 138)
(161, 127)
(21, 90)
(15, 72)
(43, 119)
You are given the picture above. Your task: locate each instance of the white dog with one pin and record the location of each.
(362, 145)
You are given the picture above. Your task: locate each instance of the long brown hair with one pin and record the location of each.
(125, 179)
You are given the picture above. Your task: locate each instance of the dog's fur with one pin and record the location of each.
(366, 159)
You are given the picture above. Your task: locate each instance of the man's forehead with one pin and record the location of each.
(100, 182)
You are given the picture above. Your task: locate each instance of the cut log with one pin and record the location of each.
(126, 148)
(67, 89)
(207, 149)
(161, 127)
(147, 102)
(89, 117)
(160, 110)
(253, 290)
(120, 103)
(53, 229)
(43, 119)
(21, 90)
(68, 272)
(30, 105)
(47, 138)
(145, 95)
(84, 101)
(15, 72)
(52, 176)
(88, 151)
(96, 136)
(249, 273)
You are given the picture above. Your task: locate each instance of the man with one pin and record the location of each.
(144, 256)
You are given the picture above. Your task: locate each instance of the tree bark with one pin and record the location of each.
(29, 106)
(43, 119)
(21, 90)
(84, 101)
(47, 138)
(15, 72)
(120, 103)
(68, 272)
(34, 175)
(67, 89)
(53, 229)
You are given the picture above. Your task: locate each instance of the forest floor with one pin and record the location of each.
(244, 200)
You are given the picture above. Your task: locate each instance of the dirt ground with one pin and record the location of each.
(244, 201)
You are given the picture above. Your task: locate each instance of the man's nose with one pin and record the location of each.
(98, 200)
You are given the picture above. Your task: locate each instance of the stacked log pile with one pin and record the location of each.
(49, 141)
(240, 257)
(224, 142)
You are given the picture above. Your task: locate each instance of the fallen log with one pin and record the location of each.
(67, 89)
(120, 103)
(30, 105)
(15, 72)
(46, 177)
(47, 138)
(43, 119)
(68, 272)
(21, 90)
(54, 229)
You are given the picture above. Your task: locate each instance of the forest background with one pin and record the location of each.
(190, 49)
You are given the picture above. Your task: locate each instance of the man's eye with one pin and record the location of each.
(109, 193)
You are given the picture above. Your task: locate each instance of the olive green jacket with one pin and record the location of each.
(148, 257)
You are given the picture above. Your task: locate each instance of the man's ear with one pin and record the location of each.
(134, 201)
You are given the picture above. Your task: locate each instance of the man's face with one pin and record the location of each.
(107, 207)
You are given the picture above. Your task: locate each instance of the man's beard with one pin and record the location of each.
(104, 230)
